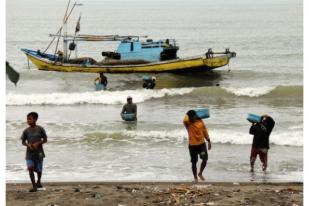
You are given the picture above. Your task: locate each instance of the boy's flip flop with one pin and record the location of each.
(41, 189)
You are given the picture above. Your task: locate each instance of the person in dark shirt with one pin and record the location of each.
(102, 79)
(129, 108)
(260, 144)
(33, 138)
(150, 84)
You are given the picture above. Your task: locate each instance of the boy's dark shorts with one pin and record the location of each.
(35, 165)
(196, 150)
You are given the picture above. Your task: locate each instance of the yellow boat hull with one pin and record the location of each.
(178, 65)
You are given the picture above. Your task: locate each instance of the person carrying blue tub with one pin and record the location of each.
(260, 145)
(149, 83)
(129, 108)
(197, 133)
(100, 82)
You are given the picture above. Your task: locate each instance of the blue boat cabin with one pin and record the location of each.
(149, 50)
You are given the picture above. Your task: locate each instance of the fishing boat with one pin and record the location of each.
(135, 54)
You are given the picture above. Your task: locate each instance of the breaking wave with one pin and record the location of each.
(250, 91)
(291, 138)
(253, 92)
(104, 97)
(142, 95)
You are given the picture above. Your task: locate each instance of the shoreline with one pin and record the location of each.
(112, 182)
(156, 193)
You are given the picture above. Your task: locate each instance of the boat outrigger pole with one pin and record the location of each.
(86, 37)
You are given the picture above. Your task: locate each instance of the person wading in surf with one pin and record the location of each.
(102, 79)
(33, 138)
(260, 144)
(150, 84)
(129, 108)
(197, 133)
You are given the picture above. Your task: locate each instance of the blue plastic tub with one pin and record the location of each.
(99, 87)
(202, 113)
(146, 78)
(254, 118)
(128, 116)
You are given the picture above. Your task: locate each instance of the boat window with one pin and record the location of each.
(132, 46)
(147, 47)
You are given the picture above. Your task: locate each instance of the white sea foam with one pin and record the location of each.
(296, 127)
(249, 91)
(293, 138)
(157, 136)
(104, 97)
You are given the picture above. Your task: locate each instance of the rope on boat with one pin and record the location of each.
(52, 41)
(28, 63)
(65, 19)
(59, 31)
(57, 45)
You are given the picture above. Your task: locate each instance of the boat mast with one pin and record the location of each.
(65, 34)
(65, 45)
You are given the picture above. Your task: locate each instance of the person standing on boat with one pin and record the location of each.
(197, 133)
(129, 108)
(102, 80)
(209, 53)
(260, 144)
(33, 138)
(60, 56)
(166, 44)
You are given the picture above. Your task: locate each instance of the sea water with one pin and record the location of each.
(87, 140)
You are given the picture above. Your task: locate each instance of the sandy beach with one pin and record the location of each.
(156, 193)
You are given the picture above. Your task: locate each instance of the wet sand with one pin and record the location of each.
(156, 193)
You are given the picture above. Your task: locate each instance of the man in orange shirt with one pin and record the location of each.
(197, 134)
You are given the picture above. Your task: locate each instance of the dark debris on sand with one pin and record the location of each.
(161, 194)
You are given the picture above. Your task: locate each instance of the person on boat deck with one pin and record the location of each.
(166, 43)
(197, 133)
(150, 84)
(209, 53)
(129, 108)
(102, 79)
(260, 144)
(33, 138)
(41, 54)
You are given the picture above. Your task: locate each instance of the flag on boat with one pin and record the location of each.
(77, 28)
